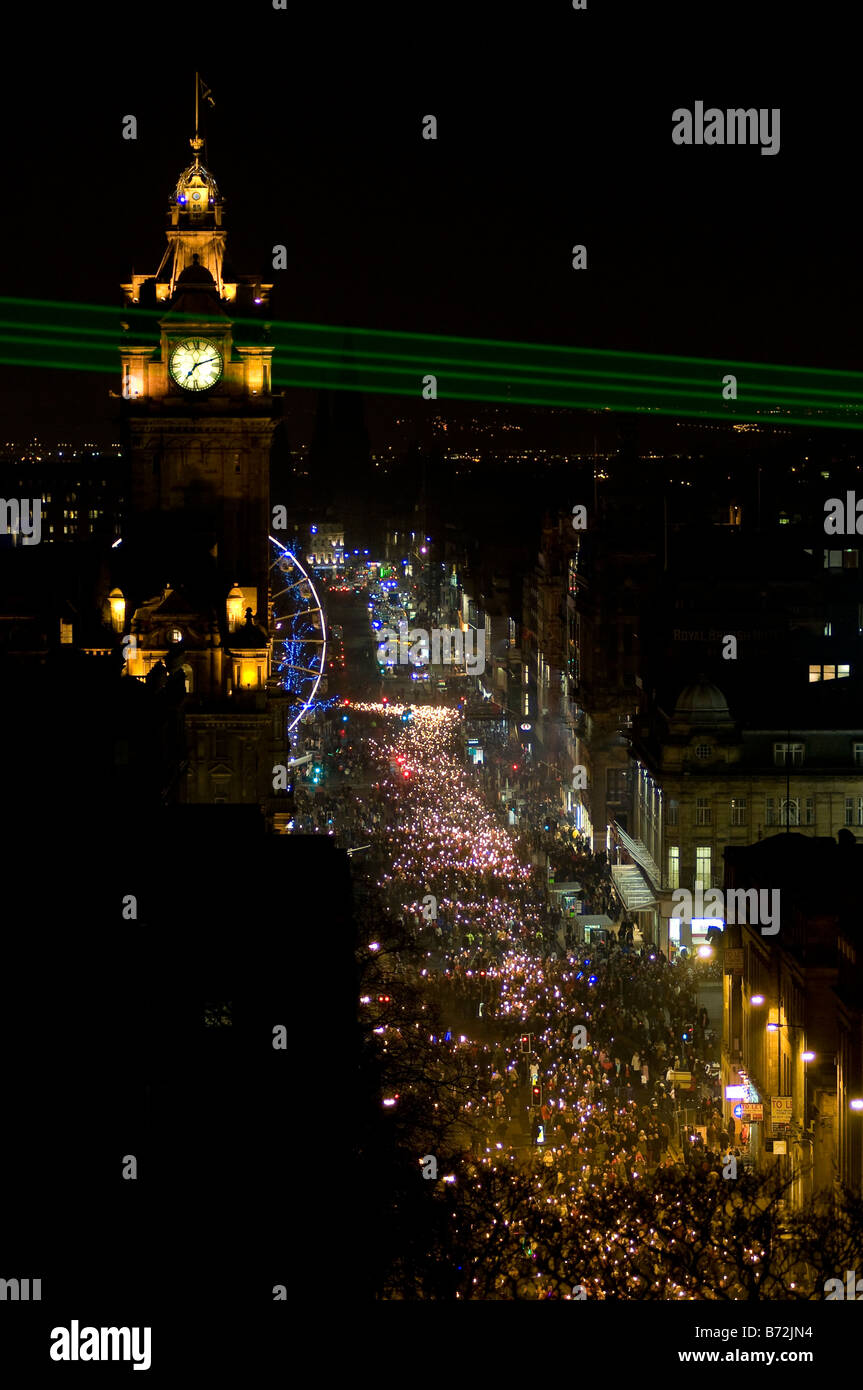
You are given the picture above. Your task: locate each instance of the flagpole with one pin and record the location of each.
(197, 85)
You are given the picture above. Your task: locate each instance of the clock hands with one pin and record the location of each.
(202, 363)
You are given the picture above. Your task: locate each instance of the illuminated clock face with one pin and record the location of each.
(196, 364)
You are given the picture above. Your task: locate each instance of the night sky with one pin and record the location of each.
(552, 131)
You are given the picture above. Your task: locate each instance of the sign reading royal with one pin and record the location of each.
(753, 906)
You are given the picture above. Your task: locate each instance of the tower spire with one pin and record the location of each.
(196, 142)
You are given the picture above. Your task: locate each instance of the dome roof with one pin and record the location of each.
(702, 702)
(196, 293)
(196, 187)
(195, 276)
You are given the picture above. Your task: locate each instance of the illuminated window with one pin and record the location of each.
(738, 810)
(703, 861)
(674, 866)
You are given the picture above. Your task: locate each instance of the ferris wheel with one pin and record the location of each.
(299, 625)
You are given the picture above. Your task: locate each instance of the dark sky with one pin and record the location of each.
(553, 129)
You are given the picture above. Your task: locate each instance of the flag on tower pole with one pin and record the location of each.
(206, 93)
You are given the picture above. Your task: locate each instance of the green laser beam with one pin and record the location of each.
(129, 312)
(563, 383)
(729, 412)
(651, 385)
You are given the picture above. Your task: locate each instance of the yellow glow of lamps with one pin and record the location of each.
(118, 609)
(235, 607)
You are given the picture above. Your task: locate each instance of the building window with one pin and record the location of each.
(858, 754)
(785, 753)
(810, 810)
(828, 629)
(770, 813)
(673, 812)
(854, 804)
(703, 858)
(789, 811)
(674, 866)
(703, 750)
(702, 811)
(738, 810)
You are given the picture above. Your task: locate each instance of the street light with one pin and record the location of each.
(757, 999)
(807, 1056)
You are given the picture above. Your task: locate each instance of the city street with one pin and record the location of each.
(570, 1113)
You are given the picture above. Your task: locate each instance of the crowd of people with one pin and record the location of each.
(494, 962)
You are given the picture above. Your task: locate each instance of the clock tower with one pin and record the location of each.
(198, 416)
(199, 410)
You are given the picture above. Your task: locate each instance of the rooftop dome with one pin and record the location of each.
(196, 275)
(196, 190)
(702, 702)
(196, 293)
